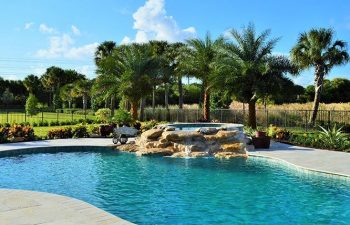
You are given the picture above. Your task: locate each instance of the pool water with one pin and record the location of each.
(155, 190)
(194, 126)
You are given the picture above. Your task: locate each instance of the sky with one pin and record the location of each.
(36, 34)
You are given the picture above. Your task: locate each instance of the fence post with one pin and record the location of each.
(285, 118)
(25, 116)
(267, 118)
(7, 116)
(57, 114)
(329, 118)
(221, 115)
(42, 116)
(72, 114)
(306, 119)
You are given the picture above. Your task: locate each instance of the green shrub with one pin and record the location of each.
(32, 105)
(278, 133)
(54, 123)
(43, 123)
(35, 124)
(80, 131)
(103, 114)
(334, 138)
(122, 117)
(94, 129)
(60, 133)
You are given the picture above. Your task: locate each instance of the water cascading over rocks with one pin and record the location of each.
(165, 141)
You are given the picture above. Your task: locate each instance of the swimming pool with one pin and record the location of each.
(156, 190)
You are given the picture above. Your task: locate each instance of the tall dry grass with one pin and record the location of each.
(296, 106)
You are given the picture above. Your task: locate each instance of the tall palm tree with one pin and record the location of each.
(174, 54)
(317, 49)
(201, 62)
(106, 59)
(253, 66)
(104, 50)
(32, 83)
(66, 94)
(137, 65)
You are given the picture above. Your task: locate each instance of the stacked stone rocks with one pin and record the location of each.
(204, 142)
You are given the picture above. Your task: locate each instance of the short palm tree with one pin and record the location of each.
(201, 62)
(253, 66)
(82, 88)
(317, 49)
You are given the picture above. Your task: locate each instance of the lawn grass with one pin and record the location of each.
(42, 131)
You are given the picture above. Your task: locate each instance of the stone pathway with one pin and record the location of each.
(310, 158)
(19, 207)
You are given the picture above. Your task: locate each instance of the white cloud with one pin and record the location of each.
(10, 77)
(75, 30)
(63, 47)
(88, 70)
(43, 28)
(28, 25)
(152, 22)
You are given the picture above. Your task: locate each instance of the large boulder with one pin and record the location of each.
(128, 148)
(152, 134)
(207, 130)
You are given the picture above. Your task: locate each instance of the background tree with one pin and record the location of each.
(31, 105)
(82, 88)
(256, 69)
(32, 84)
(201, 61)
(7, 97)
(317, 49)
(66, 94)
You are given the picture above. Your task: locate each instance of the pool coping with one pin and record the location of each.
(33, 207)
(302, 169)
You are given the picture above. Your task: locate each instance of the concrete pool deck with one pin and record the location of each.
(27, 207)
(331, 162)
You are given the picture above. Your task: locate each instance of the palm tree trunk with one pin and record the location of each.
(252, 114)
(142, 108)
(153, 100)
(206, 104)
(69, 104)
(112, 104)
(84, 102)
(166, 96)
(181, 97)
(134, 107)
(166, 101)
(319, 75)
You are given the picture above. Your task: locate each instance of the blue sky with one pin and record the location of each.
(38, 34)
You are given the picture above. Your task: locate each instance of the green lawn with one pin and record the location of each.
(42, 131)
(19, 117)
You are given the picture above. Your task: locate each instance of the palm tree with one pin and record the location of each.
(106, 85)
(137, 64)
(66, 94)
(82, 88)
(104, 50)
(201, 61)
(253, 66)
(174, 54)
(32, 83)
(317, 49)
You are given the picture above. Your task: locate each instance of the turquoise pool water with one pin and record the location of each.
(147, 190)
(195, 126)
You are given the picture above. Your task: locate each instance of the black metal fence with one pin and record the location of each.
(282, 118)
(20, 115)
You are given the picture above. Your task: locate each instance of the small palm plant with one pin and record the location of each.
(334, 138)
